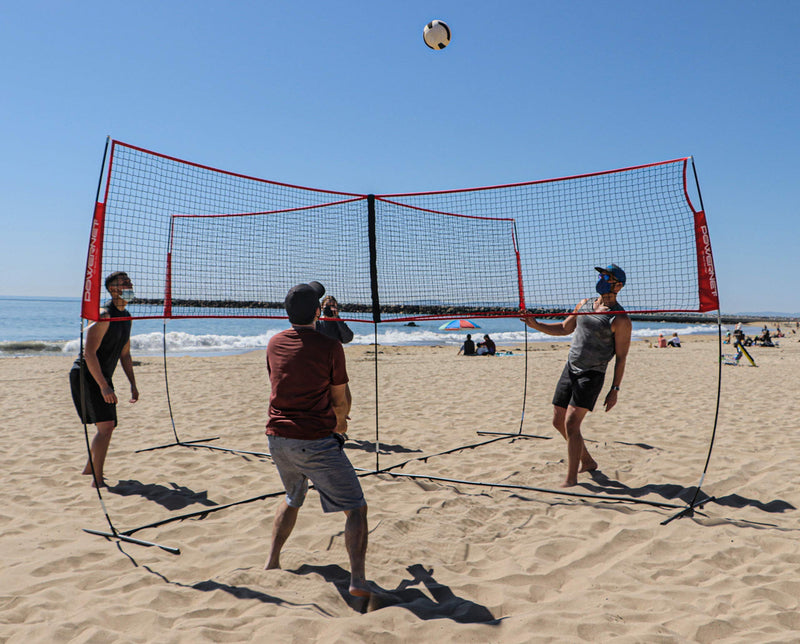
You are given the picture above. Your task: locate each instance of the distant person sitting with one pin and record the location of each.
(333, 327)
(487, 347)
(662, 341)
(468, 348)
(674, 341)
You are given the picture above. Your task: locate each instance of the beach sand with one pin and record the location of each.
(455, 561)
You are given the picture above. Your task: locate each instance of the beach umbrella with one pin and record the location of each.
(457, 325)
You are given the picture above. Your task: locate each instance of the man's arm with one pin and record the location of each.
(622, 343)
(94, 336)
(127, 366)
(341, 406)
(345, 332)
(564, 327)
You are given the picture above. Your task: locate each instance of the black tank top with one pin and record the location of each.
(113, 342)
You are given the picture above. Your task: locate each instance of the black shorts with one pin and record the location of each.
(97, 409)
(578, 390)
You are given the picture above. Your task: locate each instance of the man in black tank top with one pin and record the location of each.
(107, 342)
(602, 331)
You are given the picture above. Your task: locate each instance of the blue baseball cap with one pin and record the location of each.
(615, 271)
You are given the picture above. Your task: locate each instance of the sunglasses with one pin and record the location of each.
(609, 278)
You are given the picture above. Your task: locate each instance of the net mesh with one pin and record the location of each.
(639, 219)
(202, 242)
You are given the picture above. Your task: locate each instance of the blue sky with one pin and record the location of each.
(345, 96)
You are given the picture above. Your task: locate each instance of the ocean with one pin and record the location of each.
(32, 326)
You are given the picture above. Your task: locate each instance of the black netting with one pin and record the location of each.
(214, 243)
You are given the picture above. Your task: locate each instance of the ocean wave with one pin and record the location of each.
(652, 332)
(180, 342)
(30, 347)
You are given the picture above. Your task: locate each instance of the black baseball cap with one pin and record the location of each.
(302, 302)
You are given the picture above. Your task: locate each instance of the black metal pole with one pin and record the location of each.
(373, 258)
(166, 381)
(377, 432)
(525, 384)
(689, 509)
(82, 360)
(376, 308)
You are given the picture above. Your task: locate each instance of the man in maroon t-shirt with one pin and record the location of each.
(308, 407)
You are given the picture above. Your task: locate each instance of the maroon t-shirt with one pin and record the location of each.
(302, 366)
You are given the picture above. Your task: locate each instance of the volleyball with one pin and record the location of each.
(436, 34)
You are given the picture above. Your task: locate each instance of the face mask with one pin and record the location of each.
(603, 286)
(127, 294)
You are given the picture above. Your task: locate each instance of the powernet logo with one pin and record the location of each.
(91, 262)
(708, 259)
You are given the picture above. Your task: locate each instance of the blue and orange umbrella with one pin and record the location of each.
(457, 325)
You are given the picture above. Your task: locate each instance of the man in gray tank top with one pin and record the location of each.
(602, 331)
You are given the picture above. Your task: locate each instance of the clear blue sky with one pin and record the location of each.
(344, 95)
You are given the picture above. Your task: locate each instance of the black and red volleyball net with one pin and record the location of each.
(199, 242)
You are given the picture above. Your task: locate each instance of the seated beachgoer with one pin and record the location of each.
(662, 341)
(674, 341)
(487, 347)
(468, 348)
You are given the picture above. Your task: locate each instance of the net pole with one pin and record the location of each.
(687, 511)
(166, 381)
(525, 381)
(377, 433)
(376, 307)
(167, 312)
(82, 375)
(373, 259)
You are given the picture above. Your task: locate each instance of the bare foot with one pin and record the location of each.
(87, 469)
(359, 589)
(591, 466)
(272, 565)
(102, 483)
(569, 483)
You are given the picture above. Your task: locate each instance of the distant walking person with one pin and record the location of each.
(107, 342)
(602, 332)
(308, 409)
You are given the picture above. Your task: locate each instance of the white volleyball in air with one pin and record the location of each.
(436, 34)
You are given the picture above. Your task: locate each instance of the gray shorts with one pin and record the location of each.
(324, 462)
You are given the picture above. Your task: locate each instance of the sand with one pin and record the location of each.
(454, 561)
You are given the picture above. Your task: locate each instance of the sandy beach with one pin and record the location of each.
(454, 561)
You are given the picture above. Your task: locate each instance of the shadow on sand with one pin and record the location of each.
(369, 446)
(175, 497)
(441, 604)
(602, 484)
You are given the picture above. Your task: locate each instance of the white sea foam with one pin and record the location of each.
(185, 343)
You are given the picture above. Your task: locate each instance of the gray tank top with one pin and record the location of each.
(593, 342)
